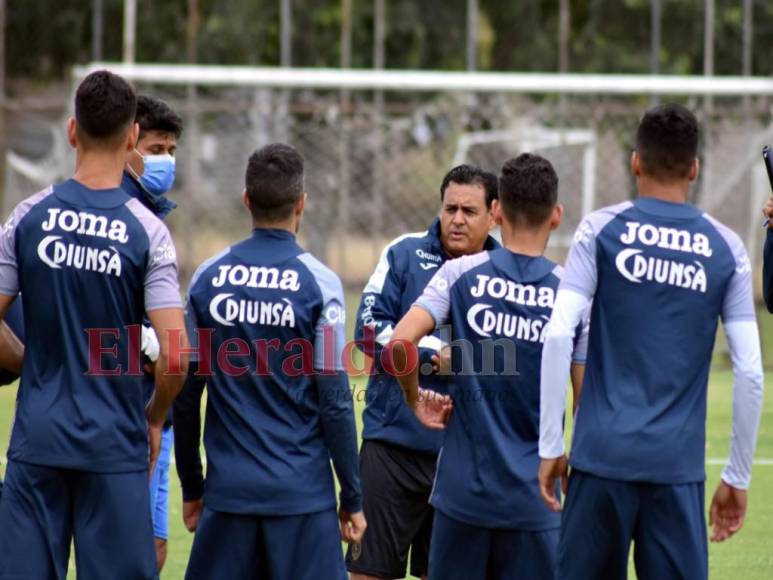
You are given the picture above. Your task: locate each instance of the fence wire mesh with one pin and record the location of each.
(374, 161)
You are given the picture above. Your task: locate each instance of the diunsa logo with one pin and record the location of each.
(55, 254)
(634, 266)
(227, 310)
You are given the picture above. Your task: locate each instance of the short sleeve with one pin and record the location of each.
(162, 289)
(9, 271)
(436, 298)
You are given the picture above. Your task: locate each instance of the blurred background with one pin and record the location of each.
(577, 75)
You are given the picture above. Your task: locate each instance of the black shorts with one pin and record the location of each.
(396, 485)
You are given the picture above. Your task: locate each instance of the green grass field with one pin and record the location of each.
(748, 556)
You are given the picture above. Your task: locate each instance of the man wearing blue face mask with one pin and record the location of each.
(149, 175)
(150, 170)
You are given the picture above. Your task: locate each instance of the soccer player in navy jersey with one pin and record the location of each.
(271, 316)
(398, 454)
(148, 176)
(489, 521)
(660, 274)
(90, 261)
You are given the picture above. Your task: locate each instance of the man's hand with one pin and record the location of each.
(441, 362)
(433, 409)
(727, 512)
(767, 211)
(192, 513)
(352, 526)
(154, 445)
(549, 471)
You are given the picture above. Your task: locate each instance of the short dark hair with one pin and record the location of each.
(528, 189)
(667, 141)
(155, 115)
(472, 174)
(274, 182)
(105, 105)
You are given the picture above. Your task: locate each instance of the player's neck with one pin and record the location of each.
(100, 170)
(526, 241)
(675, 192)
(288, 226)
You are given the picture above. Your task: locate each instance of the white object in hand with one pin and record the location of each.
(149, 345)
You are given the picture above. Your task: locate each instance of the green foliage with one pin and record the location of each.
(605, 35)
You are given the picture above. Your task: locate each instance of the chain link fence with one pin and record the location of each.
(374, 160)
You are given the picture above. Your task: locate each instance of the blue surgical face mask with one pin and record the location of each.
(158, 176)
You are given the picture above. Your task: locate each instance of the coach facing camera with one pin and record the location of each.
(398, 454)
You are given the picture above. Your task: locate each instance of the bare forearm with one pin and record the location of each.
(11, 350)
(168, 385)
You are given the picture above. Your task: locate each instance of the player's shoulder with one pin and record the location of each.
(209, 264)
(407, 243)
(326, 279)
(24, 207)
(726, 232)
(732, 239)
(455, 269)
(597, 220)
(558, 270)
(145, 220)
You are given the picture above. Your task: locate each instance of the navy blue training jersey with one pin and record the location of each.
(280, 408)
(660, 275)
(498, 304)
(84, 259)
(405, 268)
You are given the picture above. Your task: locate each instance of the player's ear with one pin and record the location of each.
(695, 168)
(300, 205)
(72, 133)
(246, 200)
(496, 212)
(555, 217)
(635, 164)
(134, 136)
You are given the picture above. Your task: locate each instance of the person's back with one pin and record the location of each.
(660, 274)
(76, 247)
(269, 320)
(268, 294)
(90, 261)
(643, 411)
(489, 521)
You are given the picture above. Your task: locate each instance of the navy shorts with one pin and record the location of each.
(106, 515)
(302, 547)
(601, 517)
(461, 551)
